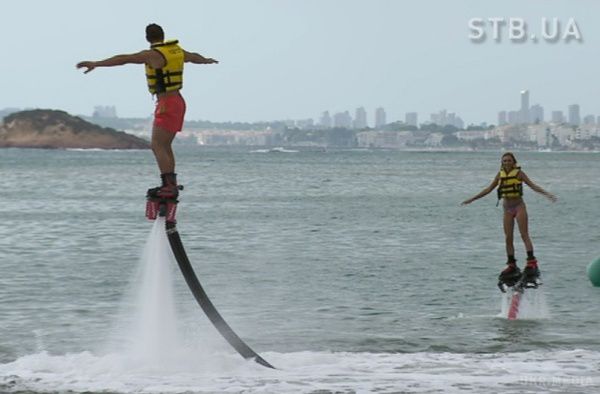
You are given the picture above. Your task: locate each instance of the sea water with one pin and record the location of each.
(351, 271)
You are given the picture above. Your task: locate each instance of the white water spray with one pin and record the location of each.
(532, 305)
(149, 336)
(156, 328)
(147, 328)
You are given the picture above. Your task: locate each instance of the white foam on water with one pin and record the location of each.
(573, 371)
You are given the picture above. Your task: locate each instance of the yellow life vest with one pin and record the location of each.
(510, 186)
(170, 77)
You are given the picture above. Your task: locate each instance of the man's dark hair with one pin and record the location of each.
(154, 33)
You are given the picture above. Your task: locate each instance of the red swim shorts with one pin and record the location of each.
(169, 112)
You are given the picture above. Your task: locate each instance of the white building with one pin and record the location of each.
(470, 135)
(586, 132)
(564, 134)
(434, 140)
(539, 133)
(384, 139)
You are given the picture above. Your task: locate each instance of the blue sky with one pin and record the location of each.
(293, 59)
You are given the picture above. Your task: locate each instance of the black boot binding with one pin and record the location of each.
(510, 276)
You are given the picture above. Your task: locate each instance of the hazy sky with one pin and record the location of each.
(293, 59)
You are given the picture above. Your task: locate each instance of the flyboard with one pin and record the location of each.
(156, 206)
(516, 289)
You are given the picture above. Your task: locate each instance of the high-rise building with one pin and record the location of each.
(456, 121)
(380, 118)
(325, 121)
(444, 118)
(558, 117)
(536, 114)
(502, 118)
(440, 118)
(105, 111)
(589, 120)
(514, 117)
(574, 117)
(360, 118)
(342, 120)
(524, 106)
(305, 124)
(411, 119)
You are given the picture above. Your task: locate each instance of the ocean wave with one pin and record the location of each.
(274, 150)
(562, 371)
(103, 150)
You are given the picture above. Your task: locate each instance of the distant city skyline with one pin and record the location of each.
(526, 114)
(531, 114)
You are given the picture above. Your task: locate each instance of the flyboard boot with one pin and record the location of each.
(531, 273)
(509, 276)
(162, 200)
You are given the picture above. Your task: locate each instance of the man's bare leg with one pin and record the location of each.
(161, 146)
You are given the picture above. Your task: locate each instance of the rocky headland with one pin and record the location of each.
(52, 129)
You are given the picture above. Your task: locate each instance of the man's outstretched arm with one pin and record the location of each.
(196, 58)
(119, 60)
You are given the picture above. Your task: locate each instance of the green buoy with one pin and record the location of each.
(593, 271)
